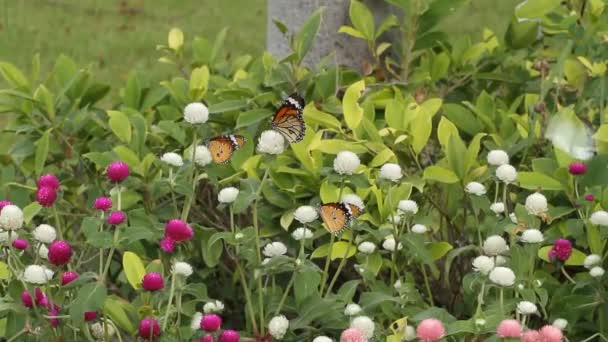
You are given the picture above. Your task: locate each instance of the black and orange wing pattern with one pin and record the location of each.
(222, 147)
(336, 217)
(288, 119)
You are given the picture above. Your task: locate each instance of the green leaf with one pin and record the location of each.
(383, 157)
(114, 308)
(13, 75)
(440, 174)
(42, 151)
(306, 284)
(353, 113)
(199, 82)
(30, 211)
(5, 273)
(227, 106)
(44, 96)
(251, 117)
(535, 180)
(314, 116)
(387, 23)
(351, 31)
(91, 297)
(306, 36)
(338, 251)
(362, 19)
(531, 9)
(176, 39)
(127, 155)
(134, 269)
(120, 125)
(577, 258)
(132, 92)
(439, 249)
(328, 192)
(335, 146)
(422, 125)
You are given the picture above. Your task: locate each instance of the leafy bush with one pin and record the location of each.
(479, 169)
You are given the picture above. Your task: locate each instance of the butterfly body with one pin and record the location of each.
(337, 216)
(223, 147)
(288, 119)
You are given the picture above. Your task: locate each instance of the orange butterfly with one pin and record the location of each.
(338, 215)
(288, 119)
(222, 147)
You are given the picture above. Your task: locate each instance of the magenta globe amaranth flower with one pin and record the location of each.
(211, 322)
(46, 196)
(149, 328)
(117, 171)
(167, 245)
(41, 299)
(26, 299)
(48, 180)
(561, 250)
(178, 230)
(60, 252)
(68, 277)
(116, 217)
(20, 244)
(4, 203)
(589, 197)
(152, 281)
(53, 313)
(103, 203)
(229, 336)
(577, 168)
(90, 315)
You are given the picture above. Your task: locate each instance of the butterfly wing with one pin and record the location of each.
(221, 149)
(353, 210)
(288, 119)
(335, 216)
(238, 141)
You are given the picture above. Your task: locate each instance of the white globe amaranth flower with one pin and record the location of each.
(391, 172)
(495, 245)
(195, 323)
(498, 208)
(274, 249)
(502, 276)
(397, 285)
(532, 236)
(302, 233)
(483, 264)
(394, 219)
(11, 217)
(172, 159)
(475, 188)
(410, 333)
(4, 238)
(499, 260)
(45, 233)
(346, 163)
(202, 156)
(196, 113)
(599, 218)
(560, 323)
(498, 157)
(365, 324)
(277, 327)
(228, 195)
(322, 339)
(389, 244)
(36, 274)
(536, 204)
(526, 308)
(306, 214)
(408, 206)
(214, 306)
(513, 218)
(592, 260)
(506, 173)
(596, 272)
(521, 286)
(419, 228)
(271, 142)
(43, 251)
(354, 200)
(181, 268)
(367, 247)
(352, 309)
(99, 331)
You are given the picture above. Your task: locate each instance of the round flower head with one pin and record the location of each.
(306, 214)
(43, 251)
(536, 204)
(475, 188)
(506, 173)
(502, 276)
(274, 249)
(103, 203)
(509, 328)
(195, 323)
(419, 228)
(26, 299)
(302, 234)
(592, 260)
(182, 269)
(45, 233)
(36, 274)
(599, 218)
(499, 260)
(365, 324)
(561, 250)
(498, 157)
(483, 264)
(352, 309)
(391, 172)
(149, 328)
(60, 252)
(271, 142)
(152, 281)
(90, 316)
(322, 339)
(409, 333)
(11, 218)
(68, 277)
(430, 330)
(367, 247)
(4, 203)
(495, 245)
(596, 272)
(532, 236)
(117, 171)
(48, 180)
(53, 313)
(408, 207)
(46, 196)
(213, 306)
(389, 244)
(526, 308)
(98, 330)
(178, 231)
(397, 285)
(20, 244)
(172, 159)
(41, 298)
(202, 156)
(116, 217)
(513, 218)
(346, 163)
(167, 244)
(211, 322)
(560, 323)
(498, 208)
(577, 168)
(229, 336)
(549, 333)
(530, 336)
(196, 113)
(354, 200)
(395, 219)
(277, 327)
(228, 195)
(589, 197)
(352, 335)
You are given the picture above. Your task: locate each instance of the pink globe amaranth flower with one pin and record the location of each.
(152, 281)
(430, 330)
(549, 333)
(102, 203)
(48, 180)
(46, 196)
(530, 336)
(577, 168)
(20, 244)
(178, 230)
(211, 322)
(167, 245)
(509, 328)
(561, 250)
(26, 299)
(149, 328)
(68, 277)
(229, 336)
(352, 335)
(41, 299)
(116, 217)
(117, 171)
(60, 252)
(4, 203)
(54, 321)
(589, 197)
(90, 315)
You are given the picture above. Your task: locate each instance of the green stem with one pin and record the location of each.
(173, 198)
(110, 255)
(168, 309)
(58, 223)
(258, 249)
(247, 292)
(327, 262)
(504, 200)
(567, 275)
(502, 301)
(287, 290)
(426, 284)
(341, 265)
(16, 336)
(193, 179)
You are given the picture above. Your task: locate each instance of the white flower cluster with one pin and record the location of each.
(271, 142)
(305, 214)
(228, 195)
(172, 159)
(274, 249)
(277, 327)
(45, 233)
(11, 217)
(196, 113)
(214, 306)
(346, 163)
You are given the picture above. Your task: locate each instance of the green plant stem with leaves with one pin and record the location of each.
(193, 179)
(115, 239)
(169, 302)
(341, 264)
(256, 228)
